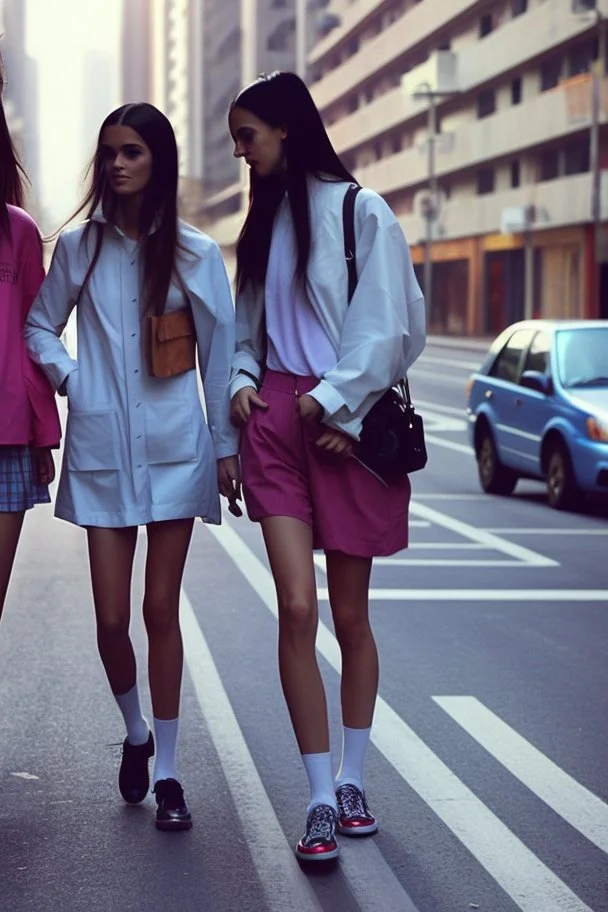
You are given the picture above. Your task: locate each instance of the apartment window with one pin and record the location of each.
(516, 91)
(549, 165)
(550, 73)
(485, 181)
(515, 173)
(486, 25)
(576, 157)
(518, 7)
(353, 46)
(580, 58)
(353, 104)
(486, 103)
(396, 144)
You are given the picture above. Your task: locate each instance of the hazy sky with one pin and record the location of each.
(76, 45)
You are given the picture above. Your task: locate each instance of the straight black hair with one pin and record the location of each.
(282, 99)
(158, 215)
(12, 174)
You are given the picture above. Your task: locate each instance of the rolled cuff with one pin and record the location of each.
(327, 396)
(239, 382)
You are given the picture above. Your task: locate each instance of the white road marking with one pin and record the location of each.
(449, 444)
(284, 884)
(492, 542)
(423, 496)
(483, 595)
(419, 524)
(435, 422)
(436, 562)
(576, 804)
(448, 362)
(530, 884)
(423, 404)
(547, 531)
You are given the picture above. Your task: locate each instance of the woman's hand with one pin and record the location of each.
(336, 443)
(229, 482)
(44, 466)
(243, 404)
(310, 409)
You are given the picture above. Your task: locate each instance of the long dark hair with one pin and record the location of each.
(12, 174)
(283, 100)
(159, 205)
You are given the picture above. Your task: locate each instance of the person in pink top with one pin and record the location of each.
(29, 422)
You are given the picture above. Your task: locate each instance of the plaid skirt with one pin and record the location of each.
(18, 488)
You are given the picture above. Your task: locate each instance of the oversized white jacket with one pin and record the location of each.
(378, 336)
(137, 449)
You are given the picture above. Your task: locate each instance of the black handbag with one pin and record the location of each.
(392, 436)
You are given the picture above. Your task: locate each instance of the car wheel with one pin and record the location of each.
(561, 485)
(494, 477)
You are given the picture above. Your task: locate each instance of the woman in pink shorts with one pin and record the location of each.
(308, 368)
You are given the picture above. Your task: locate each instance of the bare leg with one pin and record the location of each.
(10, 530)
(111, 553)
(289, 545)
(168, 544)
(348, 584)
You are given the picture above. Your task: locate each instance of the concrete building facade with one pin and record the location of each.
(511, 224)
(515, 189)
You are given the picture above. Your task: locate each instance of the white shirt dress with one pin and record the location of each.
(137, 449)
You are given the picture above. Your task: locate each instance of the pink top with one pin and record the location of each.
(28, 414)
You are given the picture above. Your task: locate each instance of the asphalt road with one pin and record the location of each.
(490, 745)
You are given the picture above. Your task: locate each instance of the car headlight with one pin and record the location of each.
(597, 429)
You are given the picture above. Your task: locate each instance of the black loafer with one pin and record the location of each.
(172, 812)
(133, 778)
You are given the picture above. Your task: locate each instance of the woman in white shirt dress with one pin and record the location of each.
(138, 448)
(308, 368)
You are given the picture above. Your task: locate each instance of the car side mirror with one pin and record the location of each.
(535, 380)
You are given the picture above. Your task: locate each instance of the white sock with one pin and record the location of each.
(320, 779)
(354, 747)
(165, 732)
(138, 729)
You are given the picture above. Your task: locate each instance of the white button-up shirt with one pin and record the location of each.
(137, 449)
(378, 336)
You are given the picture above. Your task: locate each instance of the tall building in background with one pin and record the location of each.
(510, 226)
(136, 45)
(508, 221)
(242, 38)
(101, 92)
(21, 90)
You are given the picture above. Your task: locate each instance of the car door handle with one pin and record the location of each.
(488, 394)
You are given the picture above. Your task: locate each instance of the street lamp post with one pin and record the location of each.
(427, 92)
(595, 161)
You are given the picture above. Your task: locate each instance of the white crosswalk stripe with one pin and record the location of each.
(527, 880)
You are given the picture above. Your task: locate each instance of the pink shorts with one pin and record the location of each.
(285, 474)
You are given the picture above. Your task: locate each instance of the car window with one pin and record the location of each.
(537, 358)
(509, 362)
(582, 356)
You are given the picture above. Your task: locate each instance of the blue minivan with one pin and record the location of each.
(538, 408)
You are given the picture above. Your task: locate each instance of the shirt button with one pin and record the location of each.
(139, 436)
(133, 335)
(134, 300)
(136, 371)
(138, 404)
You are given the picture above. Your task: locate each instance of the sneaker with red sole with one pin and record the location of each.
(354, 816)
(319, 841)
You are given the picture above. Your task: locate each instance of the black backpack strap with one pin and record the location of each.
(350, 243)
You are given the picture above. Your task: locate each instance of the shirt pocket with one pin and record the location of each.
(92, 440)
(170, 432)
